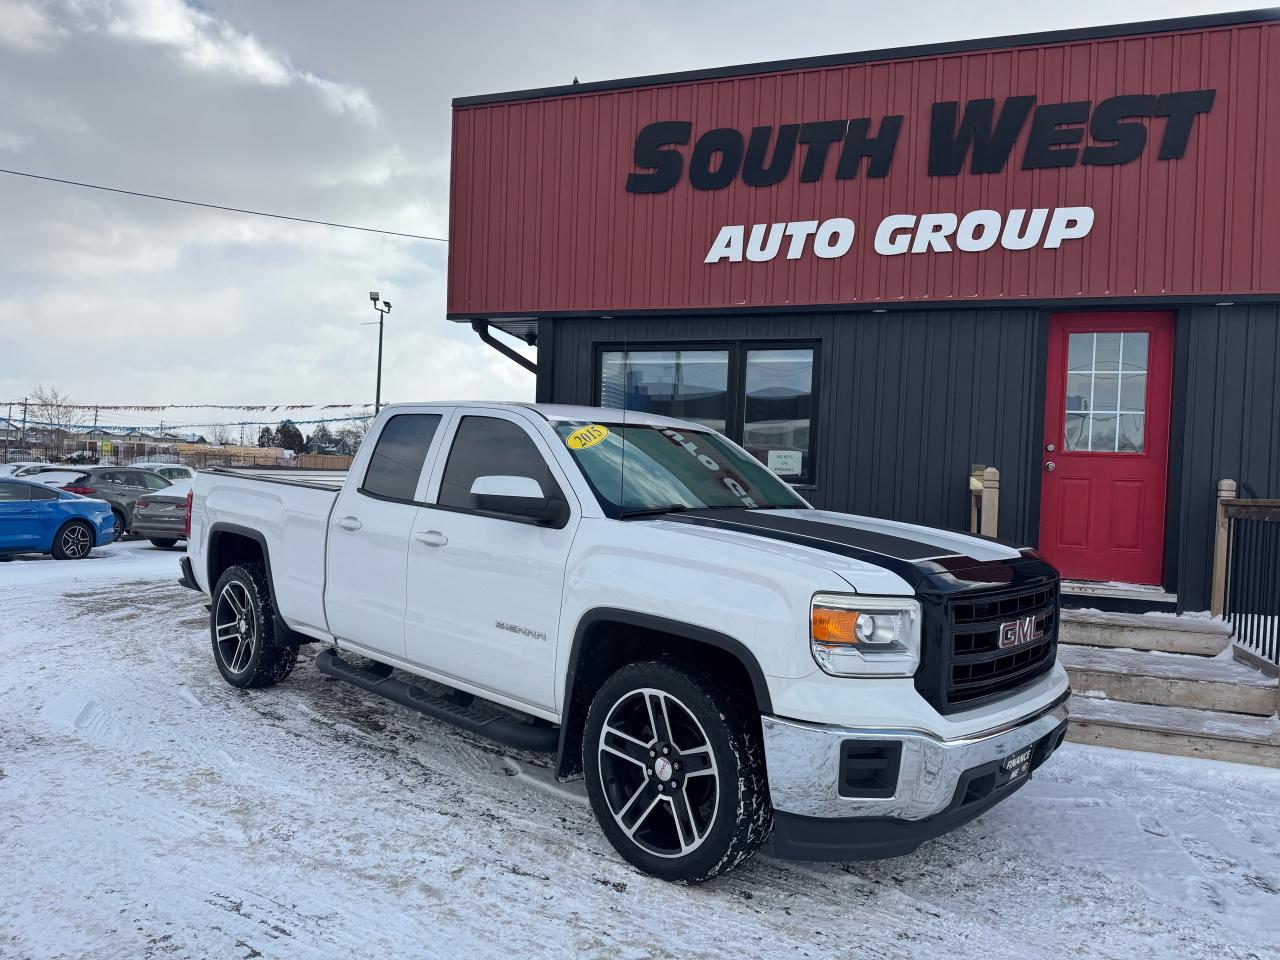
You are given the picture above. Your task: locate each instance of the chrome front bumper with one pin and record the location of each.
(804, 764)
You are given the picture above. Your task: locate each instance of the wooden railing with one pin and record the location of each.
(984, 500)
(1246, 571)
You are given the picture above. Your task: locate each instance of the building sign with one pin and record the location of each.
(1083, 165)
(981, 140)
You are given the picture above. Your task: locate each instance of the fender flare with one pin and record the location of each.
(283, 630)
(678, 628)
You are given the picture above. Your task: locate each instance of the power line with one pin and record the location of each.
(216, 206)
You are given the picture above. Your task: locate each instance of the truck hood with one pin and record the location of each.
(926, 558)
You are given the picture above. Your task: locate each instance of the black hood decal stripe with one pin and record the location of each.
(907, 558)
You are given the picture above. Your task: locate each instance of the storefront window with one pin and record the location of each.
(686, 384)
(761, 397)
(778, 413)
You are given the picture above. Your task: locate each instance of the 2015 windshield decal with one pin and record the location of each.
(730, 483)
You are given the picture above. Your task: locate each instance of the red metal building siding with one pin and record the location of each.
(541, 221)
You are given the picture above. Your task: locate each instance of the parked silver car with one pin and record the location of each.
(173, 472)
(120, 487)
(162, 517)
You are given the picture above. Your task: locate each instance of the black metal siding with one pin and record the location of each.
(908, 401)
(1226, 427)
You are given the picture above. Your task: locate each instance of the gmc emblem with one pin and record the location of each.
(1015, 633)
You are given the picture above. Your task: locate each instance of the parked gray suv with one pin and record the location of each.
(120, 487)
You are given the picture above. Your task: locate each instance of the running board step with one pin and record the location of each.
(486, 721)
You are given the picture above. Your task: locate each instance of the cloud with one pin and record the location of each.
(24, 26)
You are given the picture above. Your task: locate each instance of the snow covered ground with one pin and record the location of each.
(149, 810)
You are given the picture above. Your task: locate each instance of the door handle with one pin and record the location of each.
(432, 538)
(349, 523)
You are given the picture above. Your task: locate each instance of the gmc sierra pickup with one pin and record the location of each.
(642, 598)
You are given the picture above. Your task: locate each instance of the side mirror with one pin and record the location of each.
(518, 497)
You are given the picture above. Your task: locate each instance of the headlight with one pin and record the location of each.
(856, 636)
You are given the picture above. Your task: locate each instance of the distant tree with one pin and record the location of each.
(220, 434)
(56, 415)
(321, 436)
(290, 436)
(268, 438)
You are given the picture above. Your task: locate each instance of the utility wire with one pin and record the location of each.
(215, 206)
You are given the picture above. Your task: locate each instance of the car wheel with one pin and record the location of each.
(118, 518)
(675, 771)
(242, 628)
(73, 541)
(164, 543)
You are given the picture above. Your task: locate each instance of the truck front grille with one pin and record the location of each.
(977, 667)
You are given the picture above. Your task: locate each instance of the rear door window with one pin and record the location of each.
(14, 492)
(43, 493)
(396, 463)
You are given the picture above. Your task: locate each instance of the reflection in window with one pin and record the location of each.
(1106, 392)
(779, 411)
(686, 384)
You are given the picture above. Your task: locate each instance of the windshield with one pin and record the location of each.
(639, 469)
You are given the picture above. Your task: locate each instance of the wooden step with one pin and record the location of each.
(1145, 631)
(1170, 679)
(1209, 734)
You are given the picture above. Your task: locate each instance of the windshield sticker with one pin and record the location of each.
(585, 437)
(731, 483)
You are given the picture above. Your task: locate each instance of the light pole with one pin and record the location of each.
(383, 309)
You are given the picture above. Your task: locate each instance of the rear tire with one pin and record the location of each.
(164, 543)
(73, 541)
(242, 629)
(675, 771)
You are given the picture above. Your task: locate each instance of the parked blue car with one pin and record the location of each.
(38, 518)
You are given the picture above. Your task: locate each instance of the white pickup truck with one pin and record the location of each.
(643, 598)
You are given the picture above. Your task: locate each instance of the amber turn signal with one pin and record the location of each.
(835, 626)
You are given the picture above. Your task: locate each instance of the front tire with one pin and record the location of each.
(73, 541)
(675, 771)
(242, 629)
(120, 525)
(164, 543)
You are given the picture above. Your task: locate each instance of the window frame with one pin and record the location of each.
(550, 463)
(736, 412)
(445, 420)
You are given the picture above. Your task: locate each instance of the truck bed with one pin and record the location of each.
(317, 479)
(289, 511)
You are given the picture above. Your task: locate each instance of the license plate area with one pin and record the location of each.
(1016, 766)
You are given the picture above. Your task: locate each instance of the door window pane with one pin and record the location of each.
(1135, 352)
(1133, 392)
(779, 411)
(397, 460)
(1129, 439)
(1106, 351)
(489, 447)
(1106, 392)
(43, 493)
(1076, 436)
(686, 384)
(13, 492)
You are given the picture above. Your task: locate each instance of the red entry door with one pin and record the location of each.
(1106, 445)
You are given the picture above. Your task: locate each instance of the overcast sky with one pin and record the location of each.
(328, 109)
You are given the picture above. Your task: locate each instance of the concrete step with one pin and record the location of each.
(1209, 734)
(1170, 679)
(1200, 636)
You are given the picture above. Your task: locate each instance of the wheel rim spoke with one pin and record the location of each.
(629, 819)
(682, 813)
(624, 745)
(698, 763)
